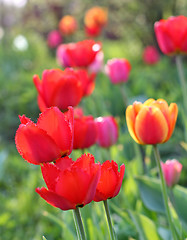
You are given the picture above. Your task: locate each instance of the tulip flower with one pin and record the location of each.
(151, 122)
(54, 38)
(67, 25)
(70, 184)
(58, 88)
(92, 31)
(110, 181)
(151, 55)
(97, 65)
(107, 131)
(118, 70)
(87, 81)
(47, 140)
(171, 170)
(171, 35)
(62, 56)
(96, 16)
(72, 53)
(85, 132)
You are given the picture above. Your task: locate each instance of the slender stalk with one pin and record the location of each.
(164, 192)
(182, 81)
(112, 233)
(124, 96)
(79, 224)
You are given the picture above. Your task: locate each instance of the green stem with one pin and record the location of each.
(112, 234)
(182, 81)
(164, 191)
(124, 96)
(79, 224)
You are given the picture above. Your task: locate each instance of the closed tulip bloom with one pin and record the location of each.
(172, 170)
(87, 81)
(50, 138)
(171, 35)
(58, 88)
(70, 184)
(96, 16)
(68, 25)
(151, 55)
(107, 131)
(81, 54)
(110, 181)
(92, 31)
(85, 132)
(54, 38)
(118, 70)
(151, 122)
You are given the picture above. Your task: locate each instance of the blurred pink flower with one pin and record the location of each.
(118, 70)
(151, 55)
(172, 170)
(62, 56)
(54, 38)
(107, 131)
(97, 65)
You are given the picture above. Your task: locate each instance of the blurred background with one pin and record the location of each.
(24, 27)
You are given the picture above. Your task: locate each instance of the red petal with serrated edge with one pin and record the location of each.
(54, 123)
(34, 145)
(55, 200)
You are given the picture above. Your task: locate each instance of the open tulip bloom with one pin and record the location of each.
(151, 122)
(47, 140)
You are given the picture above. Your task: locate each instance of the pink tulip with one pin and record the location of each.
(97, 65)
(107, 131)
(172, 170)
(151, 55)
(118, 70)
(54, 38)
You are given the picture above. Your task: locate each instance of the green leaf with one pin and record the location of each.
(146, 228)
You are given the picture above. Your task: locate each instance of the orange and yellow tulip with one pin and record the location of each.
(151, 122)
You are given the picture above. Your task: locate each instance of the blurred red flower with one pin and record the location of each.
(85, 132)
(50, 138)
(70, 183)
(58, 88)
(151, 55)
(118, 70)
(107, 131)
(67, 25)
(171, 35)
(110, 181)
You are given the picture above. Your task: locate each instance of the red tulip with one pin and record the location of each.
(171, 35)
(81, 54)
(118, 70)
(87, 80)
(150, 55)
(54, 38)
(62, 56)
(93, 31)
(68, 25)
(151, 122)
(70, 183)
(172, 170)
(110, 181)
(107, 131)
(50, 138)
(85, 132)
(58, 88)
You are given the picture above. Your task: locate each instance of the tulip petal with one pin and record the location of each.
(151, 126)
(64, 163)
(55, 200)
(41, 103)
(120, 179)
(50, 175)
(34, 145)
(54, 123)
(173, 112)
(130, 119)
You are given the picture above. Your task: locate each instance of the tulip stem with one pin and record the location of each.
(124, 96)
(182, 80)
(164, 191)
(79, 224)
(112, 233)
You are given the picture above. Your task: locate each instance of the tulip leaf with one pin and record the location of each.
(145, 226)
(150, 191)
